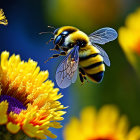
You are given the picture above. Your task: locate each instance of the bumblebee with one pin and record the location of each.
(82, 52)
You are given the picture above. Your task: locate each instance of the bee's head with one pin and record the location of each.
(62, 32)
(57, 36)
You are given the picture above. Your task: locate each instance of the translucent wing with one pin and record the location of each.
(103, 54)
(103, 35)
(66, 72)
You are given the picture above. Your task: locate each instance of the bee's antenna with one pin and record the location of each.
(45, 33)
(48, 32)
(49, 40)
(51, 27)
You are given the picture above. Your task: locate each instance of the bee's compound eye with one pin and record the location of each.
(57, 40)
(56, 31)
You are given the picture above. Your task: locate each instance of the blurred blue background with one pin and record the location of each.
(27, 18)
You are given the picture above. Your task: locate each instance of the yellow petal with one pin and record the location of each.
(134, 134)
(3, 19)
(30, 130)
(50, 134)
(3, 112)
(4, 60)
(123, 124)
(88, 121)
(55, 125)
(40, 134)
(73, 130)
(13, 128)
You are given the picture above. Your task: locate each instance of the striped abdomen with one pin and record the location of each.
(92, 63)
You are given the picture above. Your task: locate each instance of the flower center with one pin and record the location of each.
(101, 139)
(137, 49)
(14, 105)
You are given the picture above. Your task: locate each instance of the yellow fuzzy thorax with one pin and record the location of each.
(61, 29)
(88, 49)
(78, 35)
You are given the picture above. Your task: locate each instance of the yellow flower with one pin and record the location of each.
(28, 101)
(129, 38)
(103, 125)
(3, 19)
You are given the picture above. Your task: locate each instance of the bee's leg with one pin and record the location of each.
(62, 53)
(82, 75)
(64, 49)
(85, 78)
(56, 48)
(81, 78)
(56, 55)
(49, 41)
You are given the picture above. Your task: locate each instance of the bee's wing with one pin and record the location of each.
(103, 35)
(66, 72)
(103, 54)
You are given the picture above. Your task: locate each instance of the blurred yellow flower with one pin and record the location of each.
(129, 38)
(3, 19)
(103, 125)
(28, 101)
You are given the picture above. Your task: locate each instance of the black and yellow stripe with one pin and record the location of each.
(91, 62)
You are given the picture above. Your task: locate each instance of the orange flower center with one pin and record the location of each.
(102, 138)
(137, 49)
